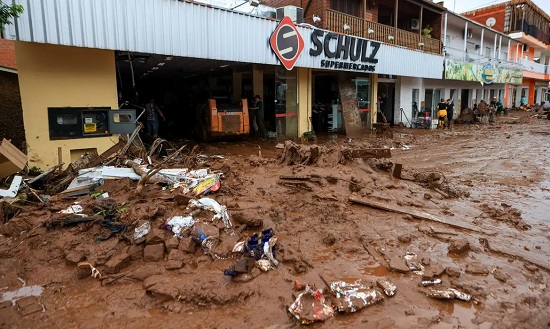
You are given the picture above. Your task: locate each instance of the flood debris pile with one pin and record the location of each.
(296, 154)
(439, 183)
(208, 235)
(504, 213)
(314, 305)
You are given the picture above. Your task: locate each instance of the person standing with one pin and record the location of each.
(382, 100)
(153, 112)
(259, 104)
(523, 101)
(441, 113)
(450, 112)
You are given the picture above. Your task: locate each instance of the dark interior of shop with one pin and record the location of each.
(180, 86)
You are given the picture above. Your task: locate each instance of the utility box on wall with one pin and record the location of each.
(83, 122)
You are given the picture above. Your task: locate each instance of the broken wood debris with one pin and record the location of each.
(11, 159)
(296, 184)
(367, 153)
(413, 213)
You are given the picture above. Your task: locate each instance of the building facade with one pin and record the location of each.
(526, 23)
(87, 54)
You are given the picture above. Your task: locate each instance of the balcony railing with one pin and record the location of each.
(349, 24)
(533, 67)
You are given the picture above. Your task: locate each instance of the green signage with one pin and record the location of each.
(483, 73)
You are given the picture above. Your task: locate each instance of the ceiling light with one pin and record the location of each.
(226, 65)
(161, 64)
(169, 58)
(154, 68)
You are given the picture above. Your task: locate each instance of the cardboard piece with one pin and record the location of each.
(11, 159)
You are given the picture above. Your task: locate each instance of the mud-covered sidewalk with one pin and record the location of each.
(466, 221)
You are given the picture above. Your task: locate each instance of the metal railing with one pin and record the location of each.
(532, 66)
(353, 25)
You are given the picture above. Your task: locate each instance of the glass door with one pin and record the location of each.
(286, 102)
(363, 96)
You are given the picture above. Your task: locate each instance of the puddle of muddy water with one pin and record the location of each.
(464, 312)
(27, 291)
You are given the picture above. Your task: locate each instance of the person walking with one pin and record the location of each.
(450, 112)
(441, 113)
(153, 112)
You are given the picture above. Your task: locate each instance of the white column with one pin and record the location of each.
(499, 47)
(495, 47)
(518, 96)
(481, 45)
(508, 56)
(521, 52)
(465, 36)
(517, 52)
(445, 31)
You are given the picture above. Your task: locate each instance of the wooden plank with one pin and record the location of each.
(369, 153)
(415, 214)
(59, 155)
(397, 170)
(107, 154)
(11, 159)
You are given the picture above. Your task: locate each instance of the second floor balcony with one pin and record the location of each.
(353, 25)
(533, 66)
(531, 21)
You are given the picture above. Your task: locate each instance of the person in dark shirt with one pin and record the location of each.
(450, 112)
(442, 113)
(153, 112)
(382, 100)
(256, 115)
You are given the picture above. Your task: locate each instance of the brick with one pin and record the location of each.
(155, 236)
(153, 252)
(117, 262)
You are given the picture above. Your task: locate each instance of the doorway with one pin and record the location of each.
(388, 89)
(465, 99)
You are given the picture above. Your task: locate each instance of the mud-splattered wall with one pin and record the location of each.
(11, 122)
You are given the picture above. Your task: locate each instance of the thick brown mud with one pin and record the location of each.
(501, 176)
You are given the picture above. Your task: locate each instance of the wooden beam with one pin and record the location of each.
(395, 21)
(415, 214)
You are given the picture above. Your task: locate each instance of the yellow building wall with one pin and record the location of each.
(374, 107)
(60, 76)
(305, 83)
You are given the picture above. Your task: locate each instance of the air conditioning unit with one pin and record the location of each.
(469, 34)
(415, 24)
(296, 14)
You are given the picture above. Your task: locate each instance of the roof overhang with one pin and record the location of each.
(528, 40)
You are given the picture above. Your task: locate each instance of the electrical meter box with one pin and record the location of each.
(82, 122)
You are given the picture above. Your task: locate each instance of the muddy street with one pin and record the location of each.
(462, 235)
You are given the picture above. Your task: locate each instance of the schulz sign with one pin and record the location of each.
(347, 52)
(337, 51)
